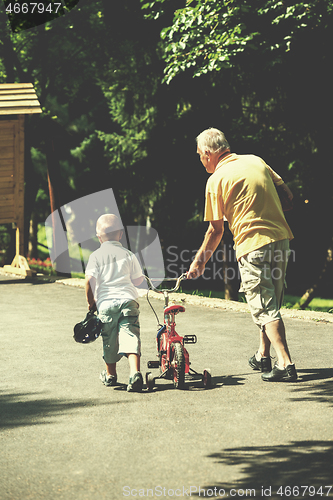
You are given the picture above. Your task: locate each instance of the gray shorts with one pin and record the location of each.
(263, 280)
(121, 330)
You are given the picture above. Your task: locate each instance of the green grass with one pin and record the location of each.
(317, 304)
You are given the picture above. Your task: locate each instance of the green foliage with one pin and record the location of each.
(316, 304)
(5, 240)
(209, 35)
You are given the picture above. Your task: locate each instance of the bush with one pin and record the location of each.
(44, 267)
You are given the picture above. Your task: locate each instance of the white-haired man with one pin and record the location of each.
(242, 190)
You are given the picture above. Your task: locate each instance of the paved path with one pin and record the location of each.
(63, 435)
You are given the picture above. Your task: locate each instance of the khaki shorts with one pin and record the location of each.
(263, 280)
(121, 330)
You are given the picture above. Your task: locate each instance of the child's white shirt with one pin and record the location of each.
(114, 268)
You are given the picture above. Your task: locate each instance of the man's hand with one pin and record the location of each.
(212, 239)
(196, 270)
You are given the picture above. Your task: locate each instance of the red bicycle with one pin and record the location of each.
(173, 357)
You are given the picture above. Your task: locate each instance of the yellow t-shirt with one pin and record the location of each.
(242, 190)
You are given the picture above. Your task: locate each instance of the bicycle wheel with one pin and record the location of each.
(178, 365)
(207, 379)
(164, 367)
(150, 381)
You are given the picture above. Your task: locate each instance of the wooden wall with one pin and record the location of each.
(12, 174)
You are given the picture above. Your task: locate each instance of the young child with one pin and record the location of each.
(112, 273)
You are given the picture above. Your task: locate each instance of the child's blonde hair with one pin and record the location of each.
(108, 227)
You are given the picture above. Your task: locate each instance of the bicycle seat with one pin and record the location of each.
(174, 309)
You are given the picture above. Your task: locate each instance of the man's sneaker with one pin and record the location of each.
(287, 374)
(108, 380)
(264, 365)
(135, 383)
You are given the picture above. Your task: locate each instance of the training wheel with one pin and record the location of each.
(150, 381)
(207, 379)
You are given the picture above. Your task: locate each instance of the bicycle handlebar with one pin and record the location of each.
(178, 280)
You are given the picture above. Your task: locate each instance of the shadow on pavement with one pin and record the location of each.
(32, 280)
(305, 466)
(318, 384)
(229, 380)
(194, 384)
(23, 409)
(315, 374)
(14, 281)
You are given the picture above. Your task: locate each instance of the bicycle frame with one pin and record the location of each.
(166, 291)
(174, 360)
(167, 337)
(164, 342)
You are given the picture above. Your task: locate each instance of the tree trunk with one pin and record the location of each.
(230, 266)
(312, 292)
(32, 244)
(62, 261)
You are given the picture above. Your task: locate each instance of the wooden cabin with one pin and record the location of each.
(16, 101)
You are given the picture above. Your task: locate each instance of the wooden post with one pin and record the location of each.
(19, 264)
(19, 179)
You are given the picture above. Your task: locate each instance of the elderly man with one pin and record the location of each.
(241, 189)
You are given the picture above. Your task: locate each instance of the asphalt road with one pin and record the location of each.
(64, 435)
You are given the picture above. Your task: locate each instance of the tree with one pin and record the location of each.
(97, 72)
(269, 60)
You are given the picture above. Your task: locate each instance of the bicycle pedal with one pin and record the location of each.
(153, 364)
(190, 339)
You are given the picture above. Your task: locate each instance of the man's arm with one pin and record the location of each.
(278, 181)
(287, 190)
(90, 285)
(212, 239)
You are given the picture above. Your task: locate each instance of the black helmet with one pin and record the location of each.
(88, 330)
